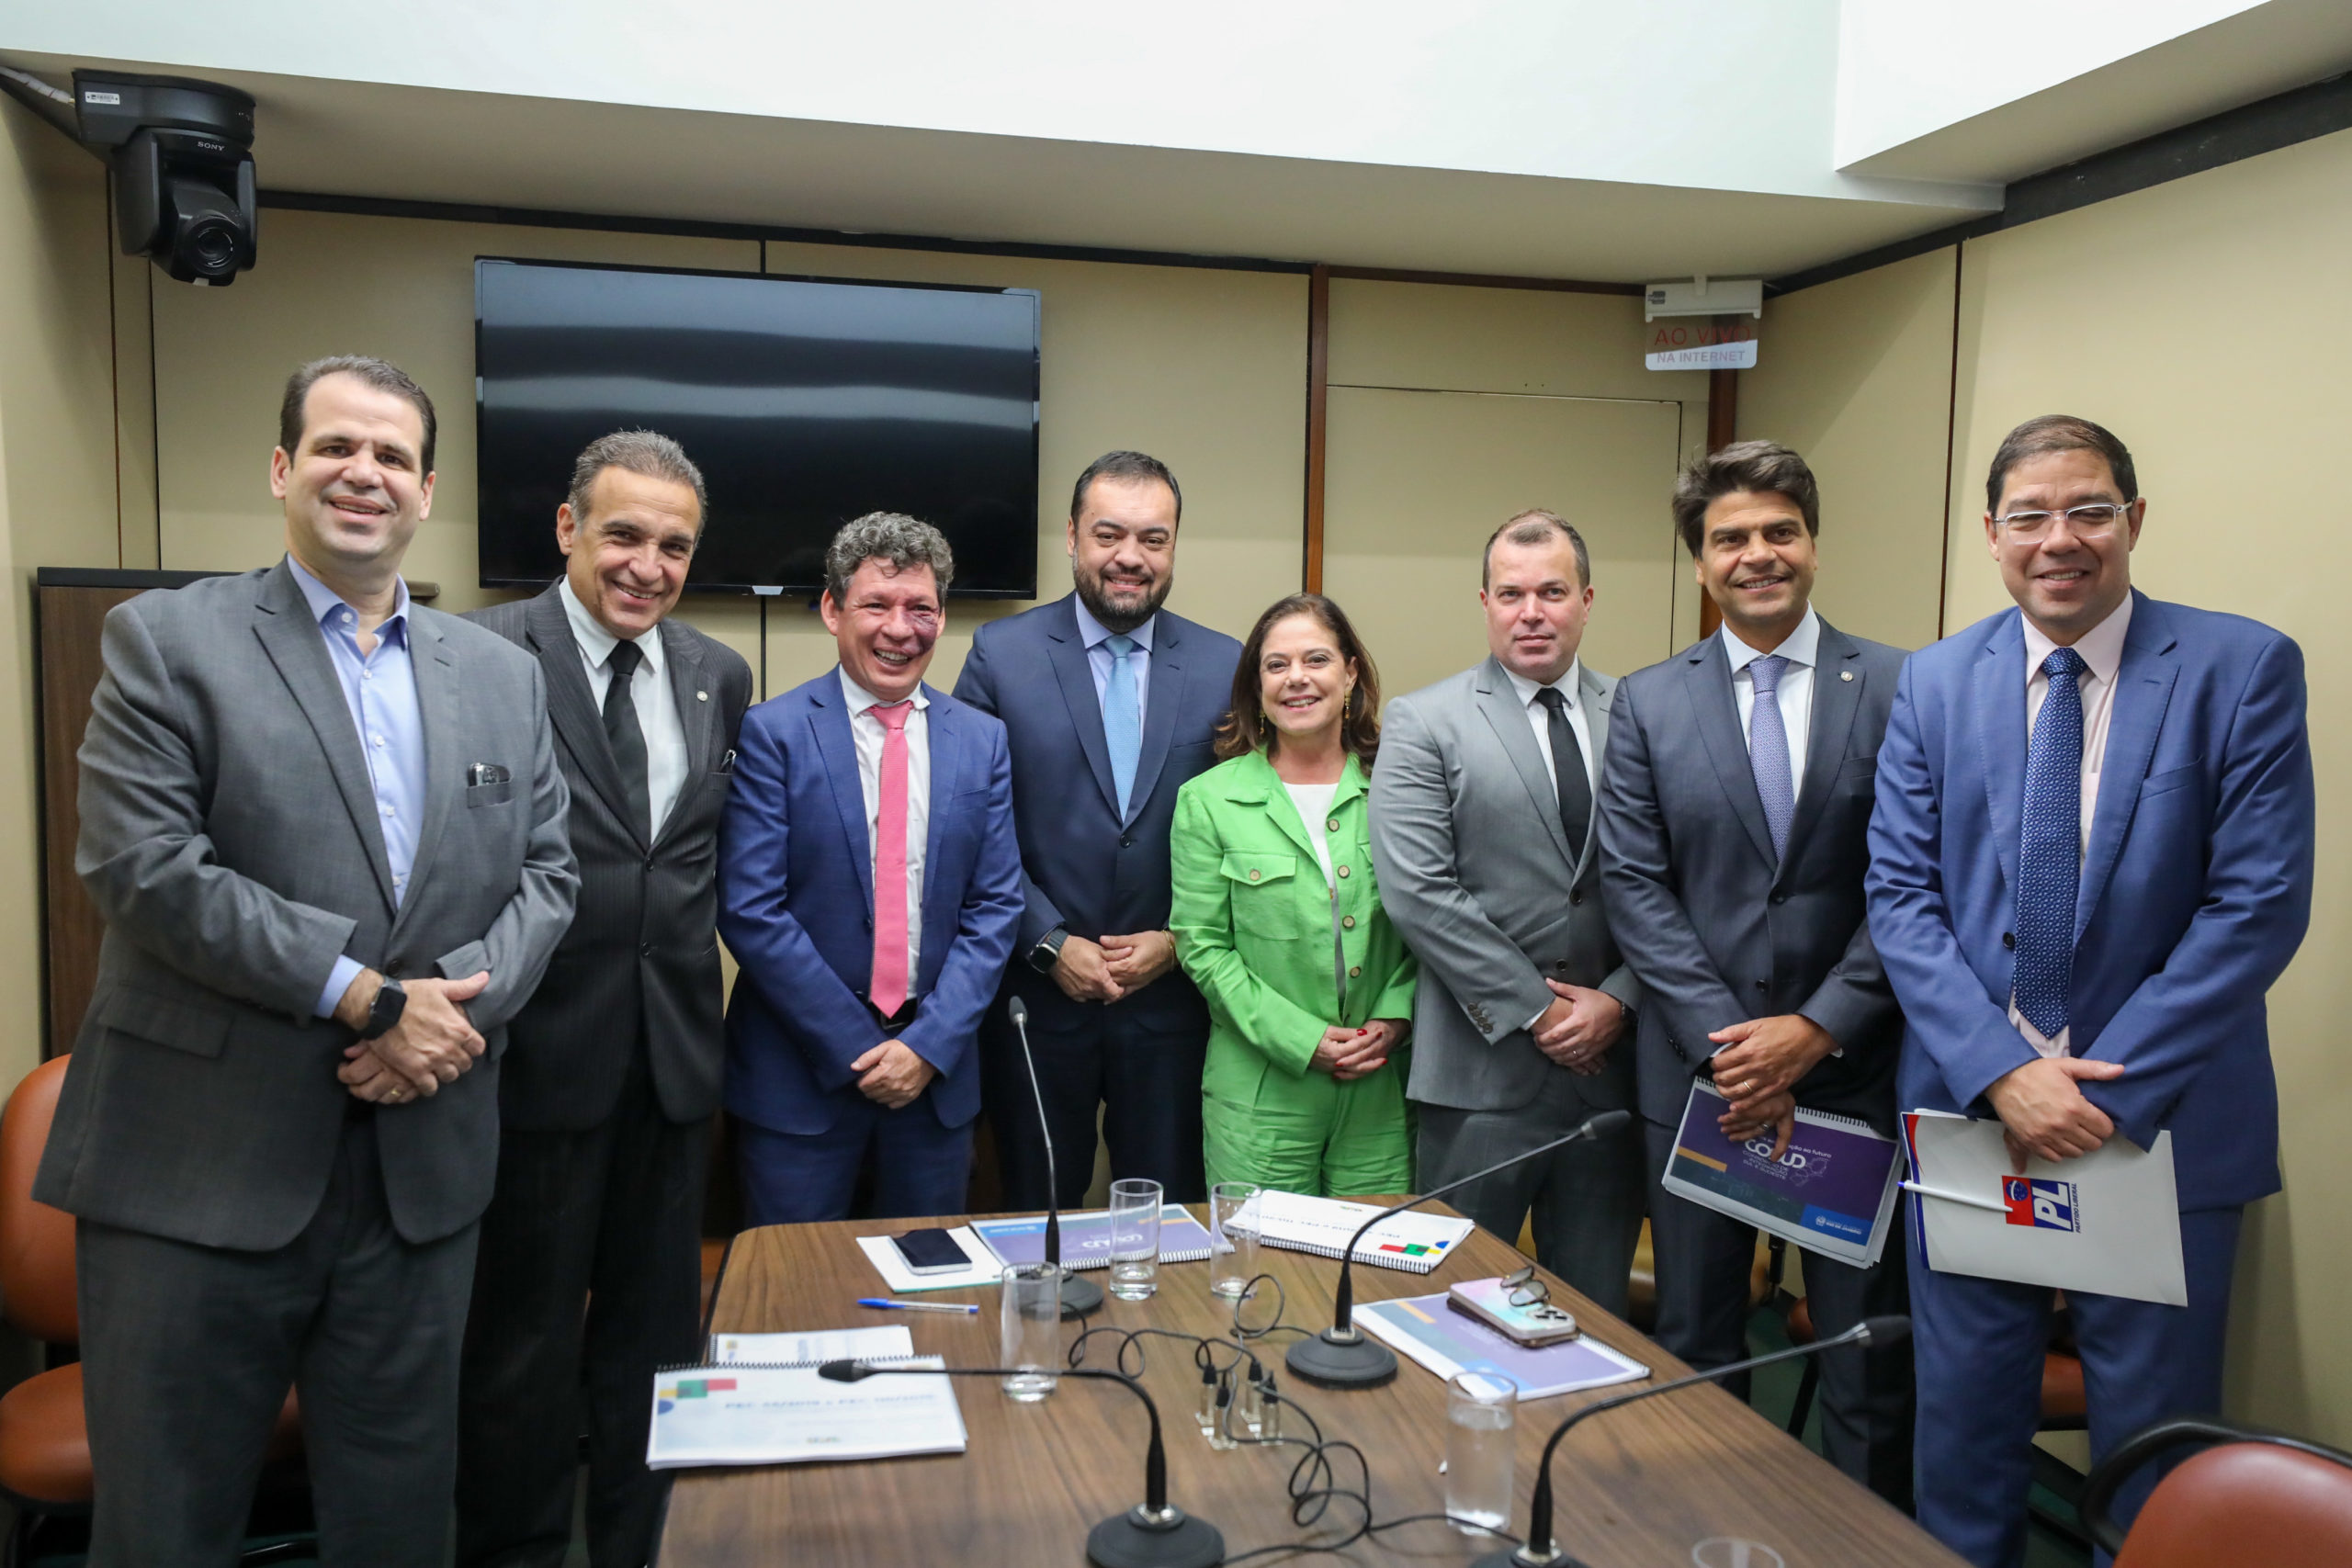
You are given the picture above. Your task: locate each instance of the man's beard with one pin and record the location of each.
(1091, 595)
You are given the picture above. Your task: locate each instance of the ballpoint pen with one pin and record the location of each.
(1969, 1199)
(887, 1303)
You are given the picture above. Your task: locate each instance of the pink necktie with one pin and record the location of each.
(888, 991)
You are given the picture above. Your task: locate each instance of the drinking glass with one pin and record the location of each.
(1479, 1410)
(1233, 1236)
(1032, 1329)
(1135, 1239)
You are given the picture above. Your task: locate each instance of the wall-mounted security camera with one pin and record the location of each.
(182, 154)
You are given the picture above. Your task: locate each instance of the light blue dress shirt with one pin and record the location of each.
(381, 690)
(1097, 637)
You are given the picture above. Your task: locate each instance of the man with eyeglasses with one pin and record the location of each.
(869, 888)
(2090, 858)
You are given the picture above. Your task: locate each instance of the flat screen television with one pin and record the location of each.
(805, 402)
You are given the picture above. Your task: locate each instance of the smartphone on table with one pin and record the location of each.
(930, 1251)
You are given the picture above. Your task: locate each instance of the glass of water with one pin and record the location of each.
(1135, 1239)
(1480, 1408)
(1032, 1329)
(1233, 1238)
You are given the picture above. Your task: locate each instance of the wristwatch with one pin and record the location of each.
(1048, 950)
(385, 1011)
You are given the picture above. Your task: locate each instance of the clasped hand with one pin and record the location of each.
(1114, 967)
(2043, 1113)
(432, 1043)
(891, 1075)
(1757, 1069)
(1579, 1026)
(1351, 1053)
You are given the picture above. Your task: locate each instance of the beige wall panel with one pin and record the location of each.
(56, 488)
(1419, 480)
(329, 283)
(2143, 314)
(1204, 369)
(1857, 376)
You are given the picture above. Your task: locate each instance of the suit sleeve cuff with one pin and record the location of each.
(347, 969)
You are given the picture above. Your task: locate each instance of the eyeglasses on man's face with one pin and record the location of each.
(2093, 520)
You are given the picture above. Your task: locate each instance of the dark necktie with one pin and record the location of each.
(1568, 770)
(2049, 849)
(628, 741)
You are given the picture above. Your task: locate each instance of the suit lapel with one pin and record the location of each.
(436, 703)
(2143, 684)
(683, 658)
(828, 720)
(299, 650)
(1167, 664)
(1707, 680)
(572, 704)
(1498, 701)
(1594, 694)
(945, 732)
(1068, 656)
(1836, 699)
(1258, 784)
(1999, 708)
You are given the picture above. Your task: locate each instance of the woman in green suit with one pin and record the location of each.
(1277, 918)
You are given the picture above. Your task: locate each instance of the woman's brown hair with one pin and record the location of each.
(1243, 729)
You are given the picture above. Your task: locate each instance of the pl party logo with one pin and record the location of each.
(2040, 1202)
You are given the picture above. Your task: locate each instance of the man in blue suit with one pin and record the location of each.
(1111, 702)
(2090, 858)
(869, 886)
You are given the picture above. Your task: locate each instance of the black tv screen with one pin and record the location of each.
(806, 403)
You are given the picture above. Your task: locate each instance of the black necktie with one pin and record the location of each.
(628, 741)
(1567, 770)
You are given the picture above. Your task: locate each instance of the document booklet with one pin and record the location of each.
(985, 1269)
(1832, 1193)
(1425, 1329)
(748, 1413)
(894, 1342)
(1414, 1242)
(2108, 1223)
(1086, 1239)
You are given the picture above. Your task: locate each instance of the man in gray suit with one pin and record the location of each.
(1734, 811)
(590, 1277)
(1482, 834)
(326, 831)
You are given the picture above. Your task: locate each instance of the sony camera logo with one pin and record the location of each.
(2040, 1202)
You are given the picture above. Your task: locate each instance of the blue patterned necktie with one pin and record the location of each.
(1767, 750)
(1122, 719)
(2049, 849)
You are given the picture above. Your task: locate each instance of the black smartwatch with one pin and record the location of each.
(385, 1011)
(1048, 950)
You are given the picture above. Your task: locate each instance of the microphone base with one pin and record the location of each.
(1134, 1539)
(1081, 1296)
(1509, 1557)
(1343, 1363)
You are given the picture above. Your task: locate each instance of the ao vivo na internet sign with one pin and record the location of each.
(1702, 345)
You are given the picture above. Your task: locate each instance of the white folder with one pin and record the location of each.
(2106, 1223)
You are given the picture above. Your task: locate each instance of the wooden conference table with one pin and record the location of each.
(1636, 1488)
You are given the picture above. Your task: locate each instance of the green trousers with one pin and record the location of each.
(1315, 1135)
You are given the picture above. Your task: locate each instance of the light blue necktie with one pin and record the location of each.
(1122, 720)
(2049, 849)
(1767, 750)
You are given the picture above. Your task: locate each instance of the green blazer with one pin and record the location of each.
(1255, 923)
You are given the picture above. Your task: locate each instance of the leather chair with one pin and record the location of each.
(44, 1444)
(2259, 1500)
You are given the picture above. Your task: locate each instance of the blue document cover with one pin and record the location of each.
(1832, 1193)
(1086, 1239)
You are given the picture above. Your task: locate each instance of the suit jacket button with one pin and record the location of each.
(1763, 985)
(1577, 896)
(646, 950)
(1343, 871)
(399, 967)
(1347, 923)
(1779, 898)
(1126, 841)
(1355, 971)
(2009, 941)
(1332, 826)
(1562, 966)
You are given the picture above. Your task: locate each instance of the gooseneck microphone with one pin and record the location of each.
(1079, 1296)
(1543, 1552)
(1343, 1356)
(1153, 1534)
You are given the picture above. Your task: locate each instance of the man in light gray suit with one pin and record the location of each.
(1482, 834)
(1734, 812)
(325, 828)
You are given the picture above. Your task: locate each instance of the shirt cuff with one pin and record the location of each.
(347, 969)
(1530, 1024)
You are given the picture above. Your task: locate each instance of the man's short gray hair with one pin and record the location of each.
(645, 452)
(891, 536)
(1536, 526)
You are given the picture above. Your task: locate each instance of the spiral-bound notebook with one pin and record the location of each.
(1086, 1239)
(1414, 1242)
(744, 1412)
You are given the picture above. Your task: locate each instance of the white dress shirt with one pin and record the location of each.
(1802, 649)
(1097, 637)
(2102, 651)
(867, 731)
(649, 690)
(1540, 721)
